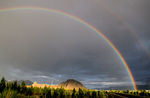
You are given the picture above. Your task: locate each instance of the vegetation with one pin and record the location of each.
(14, 90)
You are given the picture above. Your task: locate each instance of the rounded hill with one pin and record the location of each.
(71, 84)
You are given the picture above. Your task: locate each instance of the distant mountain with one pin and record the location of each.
(27, 82)
(71, 84)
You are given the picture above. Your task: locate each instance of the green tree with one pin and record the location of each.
(23, 87)
(80, 93)
(14, 85)
(74, 93)
(88, 94)
(61, 92)
(93, 94)
(55, 93)
(47, 92)
(98, 93)
(29, 91)
(2, 84)
(9, 94)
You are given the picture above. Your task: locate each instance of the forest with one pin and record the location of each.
(15, 90)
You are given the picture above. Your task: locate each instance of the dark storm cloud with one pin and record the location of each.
(33, 46)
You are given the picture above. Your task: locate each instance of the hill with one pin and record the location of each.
(71, 84)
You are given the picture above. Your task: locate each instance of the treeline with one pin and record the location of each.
(142, 93)
(15, 90)
(132, 93)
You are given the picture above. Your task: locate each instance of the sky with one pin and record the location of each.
(50, 48)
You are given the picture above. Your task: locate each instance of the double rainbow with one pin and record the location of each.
(126, 66)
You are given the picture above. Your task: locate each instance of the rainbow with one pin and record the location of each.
(126, 66)
(130, 29)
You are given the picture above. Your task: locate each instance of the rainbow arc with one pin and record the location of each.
(106, 39)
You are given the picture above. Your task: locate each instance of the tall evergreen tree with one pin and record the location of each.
(80, 93)
(61, 91)
(88, 94)
(22, 87)
(48, 94)
(98, 93)
(74, 93)
(55, 93)
(14, 85)
(2, 84)
(93, 94)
